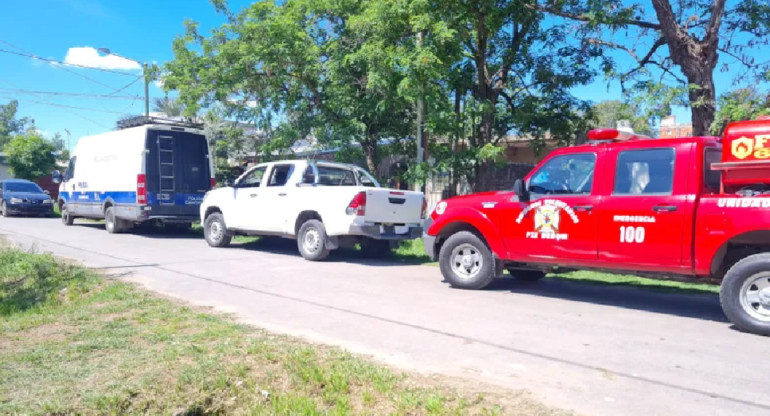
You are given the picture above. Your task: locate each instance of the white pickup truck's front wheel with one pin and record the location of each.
(311, 240)
(215, 231)
(466, 262)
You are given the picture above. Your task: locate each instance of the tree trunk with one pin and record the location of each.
(370, 151)
(702, 102)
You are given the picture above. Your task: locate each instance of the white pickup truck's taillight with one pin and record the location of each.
(141, 189)
(357, 205)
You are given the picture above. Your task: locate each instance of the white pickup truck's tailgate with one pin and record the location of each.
(393, 207)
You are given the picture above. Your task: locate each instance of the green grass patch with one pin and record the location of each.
(74, 343)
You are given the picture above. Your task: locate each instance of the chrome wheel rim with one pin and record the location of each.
(755, 296)
(311, 241)
(466, 261)
(215, 231)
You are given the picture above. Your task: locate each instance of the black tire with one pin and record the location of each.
(4, 210)
(526, 275)
(746, 315)
(476, 249)
(373, 248)
(311, 241)
(111, 223)
(215, 231)
(66, 218)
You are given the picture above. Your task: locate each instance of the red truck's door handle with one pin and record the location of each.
(664, 208)
(583, 207)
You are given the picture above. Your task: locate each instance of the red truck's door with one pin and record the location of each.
(559, 220)
(642, 218)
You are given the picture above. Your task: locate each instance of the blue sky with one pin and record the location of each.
(140, 30)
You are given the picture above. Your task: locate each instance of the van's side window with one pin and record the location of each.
(253, 178)
(280, 175)
(644, 172)
(70, 172)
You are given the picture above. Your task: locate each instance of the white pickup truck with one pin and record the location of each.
(323, 205)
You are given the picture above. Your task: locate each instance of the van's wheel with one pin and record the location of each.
(215, 231)
(745, 294)
(526, 275)
(112, 224)
(311, 240)
(4, 210)
(466, 262)
(374, 248)
(66, 217)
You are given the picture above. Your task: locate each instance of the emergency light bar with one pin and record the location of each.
(613, 134)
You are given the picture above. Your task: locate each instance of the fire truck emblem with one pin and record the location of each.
(547, 219)
(742, 147)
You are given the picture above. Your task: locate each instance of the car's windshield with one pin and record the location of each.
(21, 187)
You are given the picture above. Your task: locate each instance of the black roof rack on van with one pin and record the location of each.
(144, 120)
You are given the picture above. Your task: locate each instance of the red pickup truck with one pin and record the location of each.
(691, 208)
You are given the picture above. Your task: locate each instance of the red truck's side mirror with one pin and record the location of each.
(520, 189)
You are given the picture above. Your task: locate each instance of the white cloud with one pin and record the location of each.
(90, 57)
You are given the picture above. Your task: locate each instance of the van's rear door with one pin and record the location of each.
(390, 206)
(177, 170)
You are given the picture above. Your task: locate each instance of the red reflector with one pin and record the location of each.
(357, 205)
(141, 189)
(213, 182)
(603, 134)
(396, 193)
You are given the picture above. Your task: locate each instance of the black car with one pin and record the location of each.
(22, 197)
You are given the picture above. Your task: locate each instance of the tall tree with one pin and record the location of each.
(30, 156)
(297, 60)
(170, 107)
(10, 124)
(608, 113)
(682, 37)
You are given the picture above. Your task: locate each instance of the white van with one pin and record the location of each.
(158, 171)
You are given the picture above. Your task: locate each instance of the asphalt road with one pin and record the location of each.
(593, 349)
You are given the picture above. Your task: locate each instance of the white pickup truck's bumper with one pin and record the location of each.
(387, 232)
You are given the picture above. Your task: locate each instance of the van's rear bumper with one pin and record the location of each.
(387, 232)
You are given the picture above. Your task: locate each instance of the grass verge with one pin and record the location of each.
(74, 343)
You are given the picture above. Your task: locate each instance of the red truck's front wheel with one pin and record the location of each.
(466, 262)
(745, 294)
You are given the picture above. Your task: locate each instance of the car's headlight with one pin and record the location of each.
(16, 200)
(48, 201)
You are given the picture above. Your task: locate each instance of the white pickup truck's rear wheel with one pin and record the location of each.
(215, 231)
(311, 240)
(466, 262)
(745, 294)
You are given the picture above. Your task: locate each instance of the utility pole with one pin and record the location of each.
(146, 90)
(145, 75)
(420, 109)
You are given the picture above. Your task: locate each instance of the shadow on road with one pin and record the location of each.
(700, 306)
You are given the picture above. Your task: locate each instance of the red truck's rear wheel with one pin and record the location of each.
(745, 294)
(466, 262)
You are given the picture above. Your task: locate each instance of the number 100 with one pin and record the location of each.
(631, 234)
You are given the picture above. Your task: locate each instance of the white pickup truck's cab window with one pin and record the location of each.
(367, 179)
(280, 175)
(253, 178)
(565, 175)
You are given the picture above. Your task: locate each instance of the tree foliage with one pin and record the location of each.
(30, 155)
(10, 124)
(740, 104)
(607, 114)
(358, 72)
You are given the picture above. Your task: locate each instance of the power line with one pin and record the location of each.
(65, 68)
(72, 94)
(65, 109)
(54, 61)
(62, 105)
